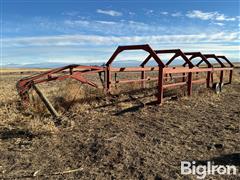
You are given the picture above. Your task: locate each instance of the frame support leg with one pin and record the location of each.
(221, 77)
(189, 84)
(160, 86)
(230, 76)
(208, 79)
(49, 106)
(107, 80)
(143, 76)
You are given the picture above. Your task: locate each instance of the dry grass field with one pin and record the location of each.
(116, 137)
(19, 70)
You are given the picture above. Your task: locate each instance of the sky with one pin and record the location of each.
(71, 31)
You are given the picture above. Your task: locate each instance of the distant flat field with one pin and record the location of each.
(237, 64)
(10, 71)
(4, 70)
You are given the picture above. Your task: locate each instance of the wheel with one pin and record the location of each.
(221, 86)
(216, 87)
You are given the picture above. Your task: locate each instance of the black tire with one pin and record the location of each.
(221, 86)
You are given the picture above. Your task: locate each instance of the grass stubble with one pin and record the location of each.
(118, 136)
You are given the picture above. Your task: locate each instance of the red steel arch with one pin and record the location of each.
(79, 72)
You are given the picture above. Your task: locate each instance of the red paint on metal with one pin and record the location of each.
(165, 73)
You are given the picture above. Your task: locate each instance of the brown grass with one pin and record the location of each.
(14, 70)
(119, 136)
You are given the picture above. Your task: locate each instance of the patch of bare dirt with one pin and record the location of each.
(121, 136)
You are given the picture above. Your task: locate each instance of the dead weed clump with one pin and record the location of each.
(74, 95)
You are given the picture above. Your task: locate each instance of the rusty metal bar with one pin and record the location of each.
(47, 103)
(160, 86)
(144, 47)
(172, 58)
(195, 69)
(189, 84)
(231, 65)
(195, 55)
(164, 72)
(199, 81)
(221, 77)
(166, 69)
(143, 76)
(135, 80)
(174, 84)
(230, 76)
(134, 69)
(108, 79)
(226, 59)
(208, 79)
(177, 53)
(214, 57)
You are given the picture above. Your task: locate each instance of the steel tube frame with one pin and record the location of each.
(164, 71)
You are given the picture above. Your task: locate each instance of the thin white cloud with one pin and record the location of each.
(219, 24)
(109, 12)
(101, 53)
(200, 15)
(77, 22)
(76, 40)
(121, 27)
(107, 22)
(164, 13)
(209, 16)
(177, 14)
(83, 25)
(221, 17)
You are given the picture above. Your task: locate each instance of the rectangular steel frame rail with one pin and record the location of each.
(164, 69)
(188, 69)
